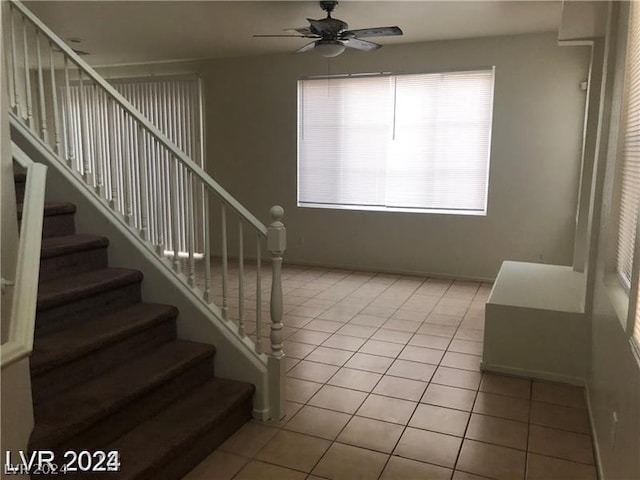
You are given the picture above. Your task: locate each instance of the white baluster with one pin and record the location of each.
(240, 281)
(127, 181)
(98, 151)
(111, 113)
(207, 245)
(43, 109)
(54, 99)
(84, 131)
(159, 203)
(276, 244)
(68, 123)
(258, 296)
(14, 66)
(173, 213)
(191, 277)
(225, 266)
(27, 77)
(142, 158)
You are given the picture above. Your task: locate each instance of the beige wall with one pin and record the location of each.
(614, 377)
(535, 162)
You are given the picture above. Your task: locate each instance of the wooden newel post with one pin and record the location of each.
(276, 244)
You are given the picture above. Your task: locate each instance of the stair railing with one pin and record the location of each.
(22, 290)
(145, 180)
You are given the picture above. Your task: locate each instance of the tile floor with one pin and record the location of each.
(383, 382)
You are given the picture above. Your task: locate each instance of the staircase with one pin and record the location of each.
(108, 372)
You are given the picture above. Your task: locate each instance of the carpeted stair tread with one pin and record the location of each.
(68, 289)
(53, 350)
(172, 431)
(66, 244)
(52, 209)
(73, 411)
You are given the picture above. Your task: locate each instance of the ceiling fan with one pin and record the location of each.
(331, 35)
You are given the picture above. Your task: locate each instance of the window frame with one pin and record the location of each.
(377, 208)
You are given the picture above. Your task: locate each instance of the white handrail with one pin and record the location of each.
(25, 288)
(124, 103)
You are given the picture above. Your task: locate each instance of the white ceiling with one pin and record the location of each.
(141, 31)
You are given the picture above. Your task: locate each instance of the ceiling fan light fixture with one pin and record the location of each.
(329, 48)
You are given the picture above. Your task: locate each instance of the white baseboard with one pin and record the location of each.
(594, 434)
(523, 372)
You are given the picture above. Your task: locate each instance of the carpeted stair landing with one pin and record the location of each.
(108, 372)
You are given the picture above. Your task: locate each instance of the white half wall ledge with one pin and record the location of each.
(535, 324)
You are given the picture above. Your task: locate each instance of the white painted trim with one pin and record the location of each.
(536, 374)
(25, 289)
(594, 433)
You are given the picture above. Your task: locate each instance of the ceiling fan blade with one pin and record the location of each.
(300, 30)
(307, 47)
(360, 44)
(373, 32)
(296, 36)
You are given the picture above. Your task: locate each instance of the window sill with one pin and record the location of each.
(375, 208)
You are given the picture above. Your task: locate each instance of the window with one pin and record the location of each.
(396, 142)
(630, 176)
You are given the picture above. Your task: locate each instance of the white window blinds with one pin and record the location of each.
(630, 169)
(398, 142)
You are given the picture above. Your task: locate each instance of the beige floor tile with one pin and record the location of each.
(420, 354)
(403, 388)
(344, 342)
(300, 391)
(293, 450)
(439, 330)
(559, 394)
(379, 311)
(475, 335)
(443, 319)
(393, 336)
(540, 467)
(368, 320)
(412, 370)
(372, 434)
(337, 314)
(399, 468)
(449, 397)
(307, 311)
(429, 341)
(384, 349)
(291, 408)
(298, 350)
(499, 431)
(502, 406)
(331, 356)
(313, 372)
(355, 379)
(387, 409)
(248, 440)
(462, 360)
(370, 363)
(460, 475)
(318, 422)
(402, 325)
(289, 363)
(454, 377)
(440, 419)
(256, 470)
(504, 385)
(561, 444)
(345, 462)
(326, 326)
(308, 336)
(217, 466)
(491, 461)
(411, 313)
(450, 309)
(557, 416)
(429, 447)
(295, 321)
(341, 399)
(353, 330)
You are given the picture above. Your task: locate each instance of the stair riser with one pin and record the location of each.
(139, 409)
(189, 454)
(59, 379)
(66, 315)
(73, 264)
(59, 225)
